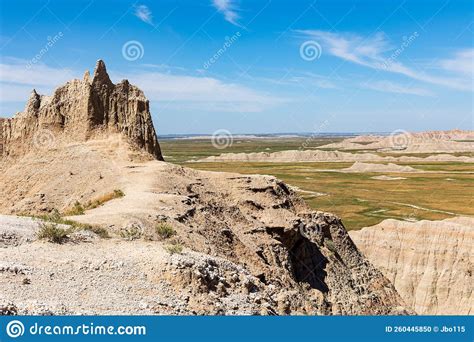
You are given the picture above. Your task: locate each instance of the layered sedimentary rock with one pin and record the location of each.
(78, 111)
(2, 122)
(431, 263)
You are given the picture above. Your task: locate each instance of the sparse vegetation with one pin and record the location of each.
(174, 248)
(54, 219)
(330, 245)
(103, 199)
(100, 231)
(165, 230)
(53, 233)
(77, 209)
(133, 232)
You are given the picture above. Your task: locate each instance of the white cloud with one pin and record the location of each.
(200, 93)
(144, 14)
(17, 80)
(463, 63)
(204, 93)
(373, 52)
(390, 87)
(229, 9)
(18, 71)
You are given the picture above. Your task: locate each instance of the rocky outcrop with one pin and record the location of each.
(78, 111)
(431, 263)
(2, 122)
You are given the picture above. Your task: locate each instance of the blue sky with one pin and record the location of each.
(255, 66)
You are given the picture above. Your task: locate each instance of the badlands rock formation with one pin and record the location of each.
(296, 156)
(423, 142)
(368, 167)
(443, 145)
(251, 245)
(431, 263)
(78, 111)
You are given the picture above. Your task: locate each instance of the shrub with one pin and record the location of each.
(165, 231)
(330, 245)
(174, 248)
(52, 232)
(104, 198)
(54, 218)
(100, 231)
(118, 193)
(132, 232)
(77, 209)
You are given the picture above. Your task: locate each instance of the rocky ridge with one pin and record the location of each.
(79, 111)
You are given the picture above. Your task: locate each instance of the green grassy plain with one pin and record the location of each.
(357, 198)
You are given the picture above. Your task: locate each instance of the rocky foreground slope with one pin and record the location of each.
(251, 245)
(431, 263)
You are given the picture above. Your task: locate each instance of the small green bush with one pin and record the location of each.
(174, 248)
(52, 232)
(330, 245)
(77, 209)
(133, 232)
(118, 193)
(54, 218)
(165, 231)
(100, 231)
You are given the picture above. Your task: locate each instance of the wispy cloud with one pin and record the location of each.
(391, 87)
(201, 92)
(229, 9)
(462, 62)
(373, 52)
(144, 14)
(17, 71)
(170, 89)
(17, 80)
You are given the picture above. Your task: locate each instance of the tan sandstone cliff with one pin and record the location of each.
(431, 263)
(252, 246)
(78, 111)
